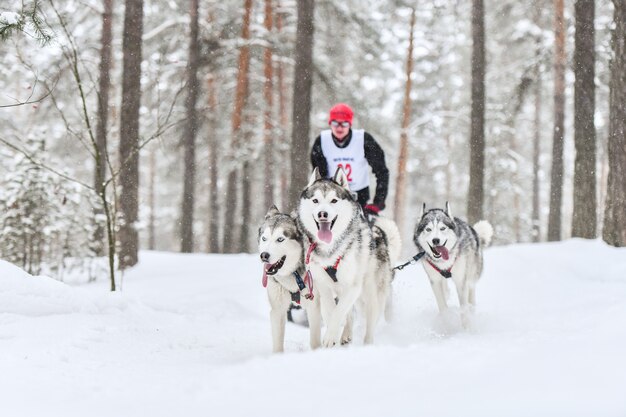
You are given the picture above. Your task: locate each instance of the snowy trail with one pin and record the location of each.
(189, 335)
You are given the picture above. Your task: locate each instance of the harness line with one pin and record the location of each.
(444, 272)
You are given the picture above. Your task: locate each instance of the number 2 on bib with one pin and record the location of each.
(348, 170)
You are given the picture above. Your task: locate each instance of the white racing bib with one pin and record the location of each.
(351, 158)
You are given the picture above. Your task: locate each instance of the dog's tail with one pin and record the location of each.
(484, 231)
(394, 241)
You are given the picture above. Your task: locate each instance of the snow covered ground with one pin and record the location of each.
(189, 335)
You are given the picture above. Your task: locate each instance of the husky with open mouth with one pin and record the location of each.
(452, 249)
(348, 258)
(280, 248)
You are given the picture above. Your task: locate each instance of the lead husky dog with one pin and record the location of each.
(349, 258)
(453, 249)
(280, 247)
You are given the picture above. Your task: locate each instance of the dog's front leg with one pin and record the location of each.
(278, 317)
(339, 315)
(437, 285)
(314, 316)
(346, 336)
(327, 303)
(463, 291)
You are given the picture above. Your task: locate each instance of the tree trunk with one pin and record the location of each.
(129, 132)
(241, 94)
(536, 220)
(268, 125)
(536, 217)
(556, 176)
(585, 204)
(246, 213)
(282, 112)
(191, 129)
(152, 202)
(614, 230)
(213, 232)
(302, 84)
(101, 151)
(398, 208)
(477, 137)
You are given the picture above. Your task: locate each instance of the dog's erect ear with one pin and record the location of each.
(423, 210)
(315, 175)
(448, 212)
(341, 178)
(272, 212)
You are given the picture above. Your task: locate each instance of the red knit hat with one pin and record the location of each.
(341, 112)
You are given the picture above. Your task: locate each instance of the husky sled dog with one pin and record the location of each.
(280, 247)
(453, 249)
(348, 257)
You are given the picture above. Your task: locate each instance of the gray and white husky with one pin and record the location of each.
(280, 247)
(349, 258)
(453, 249)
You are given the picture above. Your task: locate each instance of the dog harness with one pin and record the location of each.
(411, 261)
(330, 270)
(444, 272)
(295, 296)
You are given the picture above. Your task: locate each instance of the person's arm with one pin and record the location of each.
(376, 158)
(317, 158)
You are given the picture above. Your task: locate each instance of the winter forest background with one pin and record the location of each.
(173, 125)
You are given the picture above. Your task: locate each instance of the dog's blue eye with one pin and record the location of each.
(263, 238)
(442, 229)
(280, 239)
(315, 201)
(333, 201)
(428, 229)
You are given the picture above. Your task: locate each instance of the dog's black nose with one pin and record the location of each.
(265, 256)
(322, 215)
(436, 241)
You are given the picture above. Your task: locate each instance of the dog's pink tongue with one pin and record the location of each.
(325, 234)
(443, 251)
(265, 268)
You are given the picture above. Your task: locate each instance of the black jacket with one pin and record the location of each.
(375, 157)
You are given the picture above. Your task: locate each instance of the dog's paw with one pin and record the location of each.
(328, 343)
(346, 339)
(331, 339)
